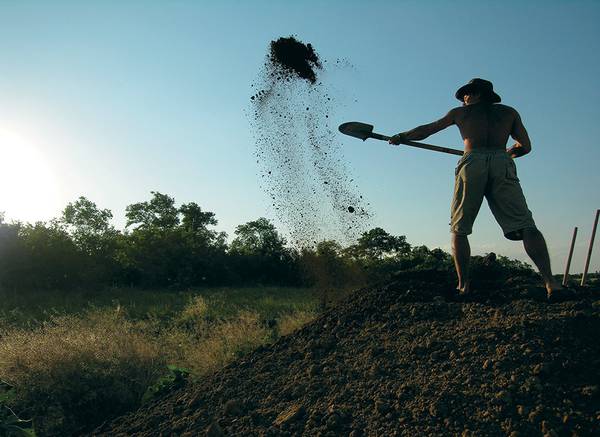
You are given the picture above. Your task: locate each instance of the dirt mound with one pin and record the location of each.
(405, 358)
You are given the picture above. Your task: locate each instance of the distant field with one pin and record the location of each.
(73, 359)
(30, 308)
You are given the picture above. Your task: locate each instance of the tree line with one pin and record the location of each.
(168, 246)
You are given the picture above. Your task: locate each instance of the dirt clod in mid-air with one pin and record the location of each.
(303, 169)
(297, 57)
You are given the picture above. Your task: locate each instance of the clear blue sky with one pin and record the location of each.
(118, 98)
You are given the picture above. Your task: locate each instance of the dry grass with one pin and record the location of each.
(290, 322)
(195, 310)
(224, 341)
(201, 344)
(73, 371)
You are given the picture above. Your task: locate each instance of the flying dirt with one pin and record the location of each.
(302, 167)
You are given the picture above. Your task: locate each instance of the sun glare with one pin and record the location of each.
(28, 189)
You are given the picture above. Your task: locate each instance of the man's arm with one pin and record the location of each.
(519, 134)
(422, 132)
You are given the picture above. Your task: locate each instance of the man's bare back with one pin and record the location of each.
(488, 126)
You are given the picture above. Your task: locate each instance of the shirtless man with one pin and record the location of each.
(487, 170)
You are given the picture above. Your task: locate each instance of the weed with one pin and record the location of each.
(174, 379)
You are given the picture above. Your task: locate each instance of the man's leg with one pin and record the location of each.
(535, 246)
(469, 190)
(461, 252)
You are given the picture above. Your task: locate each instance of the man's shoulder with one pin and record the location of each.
(505, 108)
(456, 110)
(497, 106)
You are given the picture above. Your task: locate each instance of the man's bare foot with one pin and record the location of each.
(556, 291)
(464, 289)
(554, 286)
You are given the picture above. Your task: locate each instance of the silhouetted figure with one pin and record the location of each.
(487, 169)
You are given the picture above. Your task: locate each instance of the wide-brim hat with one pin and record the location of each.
(481, 86)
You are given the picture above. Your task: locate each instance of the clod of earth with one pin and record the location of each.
(297, 57)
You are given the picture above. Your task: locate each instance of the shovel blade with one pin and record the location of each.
(357, 129)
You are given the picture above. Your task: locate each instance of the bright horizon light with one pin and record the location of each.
(28, 186)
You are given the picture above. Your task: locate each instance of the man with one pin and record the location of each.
(487, 170)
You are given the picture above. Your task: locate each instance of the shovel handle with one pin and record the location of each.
(420, 145)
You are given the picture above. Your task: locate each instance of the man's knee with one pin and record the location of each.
(529, 233)
(522, 234)
(458, 239)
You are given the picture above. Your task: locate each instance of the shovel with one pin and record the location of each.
(364, 131)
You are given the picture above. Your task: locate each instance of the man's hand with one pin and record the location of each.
(516, 151)
(398, 138)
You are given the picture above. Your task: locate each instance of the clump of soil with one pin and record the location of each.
(297, 57)
(302, 167)
(406, 358)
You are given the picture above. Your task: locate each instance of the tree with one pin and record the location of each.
(204, 260)
(151, 254)
(159, 213)
(327, 267)
(330, 249)
(11, 251)
(258, 254)
(420, 257)
(195, 224)
(89, 226)
(92, 233)
(48, 257)
(194, 219)
(377, 244)
(172, 246)
(258, 237)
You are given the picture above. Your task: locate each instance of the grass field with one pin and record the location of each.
(70, 360)
(30, 309)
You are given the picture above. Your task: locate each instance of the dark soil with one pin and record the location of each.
(296, 57)
(303, 170)
(406, 358)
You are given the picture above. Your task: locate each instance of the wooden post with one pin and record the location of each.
(589, 254)
(566, 275)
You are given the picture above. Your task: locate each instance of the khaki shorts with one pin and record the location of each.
(493, 175)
